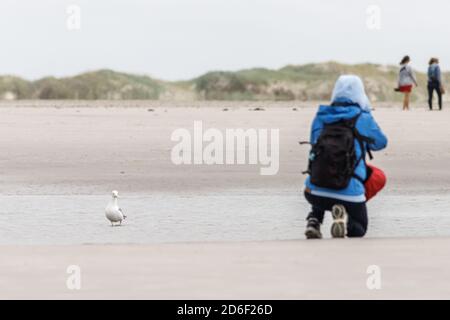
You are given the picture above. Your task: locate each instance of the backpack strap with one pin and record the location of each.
(361, 139)
(364, 148)
(359, 179)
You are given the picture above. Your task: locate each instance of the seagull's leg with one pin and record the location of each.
(112, 224)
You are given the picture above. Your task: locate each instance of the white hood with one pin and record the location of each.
(352, 88)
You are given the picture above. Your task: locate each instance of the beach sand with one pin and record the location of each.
(327, 269)
(72, 149)
(82, 150)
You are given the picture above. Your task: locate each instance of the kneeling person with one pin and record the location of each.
(339, 179)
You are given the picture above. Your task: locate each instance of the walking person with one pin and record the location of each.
(406, 81)
(434, 83)
(339, 179)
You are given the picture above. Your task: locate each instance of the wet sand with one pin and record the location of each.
(242, 215)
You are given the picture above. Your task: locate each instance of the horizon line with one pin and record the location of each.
(195, 77)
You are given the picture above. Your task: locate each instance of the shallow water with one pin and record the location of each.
(236, 216)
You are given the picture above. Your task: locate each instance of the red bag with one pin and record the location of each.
(375, 182)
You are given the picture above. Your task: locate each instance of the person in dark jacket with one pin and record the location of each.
(348, 205)
(434, 82)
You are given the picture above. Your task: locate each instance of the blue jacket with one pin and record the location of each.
(366, 126)
(434, 73)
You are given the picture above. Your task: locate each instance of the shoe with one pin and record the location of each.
(339, 226)
(313, 229)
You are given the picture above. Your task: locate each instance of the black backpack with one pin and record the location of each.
(332, 159)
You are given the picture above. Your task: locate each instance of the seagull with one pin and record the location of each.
(112, 212)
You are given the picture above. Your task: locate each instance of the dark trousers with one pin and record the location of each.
(357, 213)
(434, 86)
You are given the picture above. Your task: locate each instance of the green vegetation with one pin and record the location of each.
(304, 82)
(15, 88)
(99, 85)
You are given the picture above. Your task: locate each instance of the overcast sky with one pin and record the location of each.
(181, 39)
